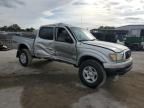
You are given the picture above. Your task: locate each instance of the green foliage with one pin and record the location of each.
(29, 29)
(15, 28)
(106, 28)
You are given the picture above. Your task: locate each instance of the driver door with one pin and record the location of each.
(65, 46)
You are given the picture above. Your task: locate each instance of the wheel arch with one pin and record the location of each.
(87, 57)
(20, 47)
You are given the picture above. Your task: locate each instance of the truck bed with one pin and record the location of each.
(24, 40)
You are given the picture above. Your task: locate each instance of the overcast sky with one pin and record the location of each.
(85, 13)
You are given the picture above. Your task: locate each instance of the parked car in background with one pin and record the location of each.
(114, 36)
(60, 42)
(135, 36)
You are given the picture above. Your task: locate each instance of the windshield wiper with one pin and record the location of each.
(92, 40)
(87, 40)
(83, 40)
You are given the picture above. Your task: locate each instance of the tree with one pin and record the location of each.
(29, 29)
(14, 28)
(106, 28)
(4, 28)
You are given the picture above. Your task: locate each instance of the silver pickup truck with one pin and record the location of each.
(60, 42)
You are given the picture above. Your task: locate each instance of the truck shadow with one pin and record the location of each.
(46, 66)
(39, 63)
(60, 90)
(57, 87)
(46, 91)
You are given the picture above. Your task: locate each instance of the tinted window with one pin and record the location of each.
(46, 33)
(142, 33)
(63, 35)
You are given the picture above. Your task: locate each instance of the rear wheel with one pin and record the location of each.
(92, 73)
(25, 57)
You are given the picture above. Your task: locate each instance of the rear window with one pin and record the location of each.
(46, 33)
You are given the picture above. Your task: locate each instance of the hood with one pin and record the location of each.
(107, 45)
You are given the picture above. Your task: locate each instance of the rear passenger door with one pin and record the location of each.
(44, 43)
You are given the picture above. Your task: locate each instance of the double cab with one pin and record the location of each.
(65, 43)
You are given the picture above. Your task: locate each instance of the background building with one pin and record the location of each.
(133, 30)
(135, 36)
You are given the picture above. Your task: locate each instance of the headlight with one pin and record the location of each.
(117, 57)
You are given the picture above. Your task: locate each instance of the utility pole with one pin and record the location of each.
(81, 21)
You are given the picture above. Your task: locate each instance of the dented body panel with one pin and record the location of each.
(74, 52)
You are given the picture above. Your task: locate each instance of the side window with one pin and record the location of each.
(46, 33)
(142, 33)
(63, 36)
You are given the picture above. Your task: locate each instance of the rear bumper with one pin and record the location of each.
(119, 68)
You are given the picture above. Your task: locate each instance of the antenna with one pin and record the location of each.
(81, 21)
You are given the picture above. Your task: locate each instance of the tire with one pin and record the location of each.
(95, 70)
(25, 57)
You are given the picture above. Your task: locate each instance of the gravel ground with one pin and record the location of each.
(56, 85)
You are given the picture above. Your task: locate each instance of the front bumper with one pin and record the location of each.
(119, 68)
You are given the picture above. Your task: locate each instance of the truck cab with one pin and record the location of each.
(55, 42)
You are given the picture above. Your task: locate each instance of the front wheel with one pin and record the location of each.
(25, 57)
(92, 73)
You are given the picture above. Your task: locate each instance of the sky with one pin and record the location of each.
(83, 13)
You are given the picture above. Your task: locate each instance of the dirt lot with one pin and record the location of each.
(56, 85)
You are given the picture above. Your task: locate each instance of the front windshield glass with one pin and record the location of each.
(82, 34)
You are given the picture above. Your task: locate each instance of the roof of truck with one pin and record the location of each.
(57, 25)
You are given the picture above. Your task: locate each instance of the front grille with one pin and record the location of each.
(128, 54)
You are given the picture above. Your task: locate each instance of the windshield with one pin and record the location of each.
(82, 34)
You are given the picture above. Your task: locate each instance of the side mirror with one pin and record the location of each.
(68, 40)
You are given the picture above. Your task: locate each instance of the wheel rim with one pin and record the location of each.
(90, 74)
(23, 58)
